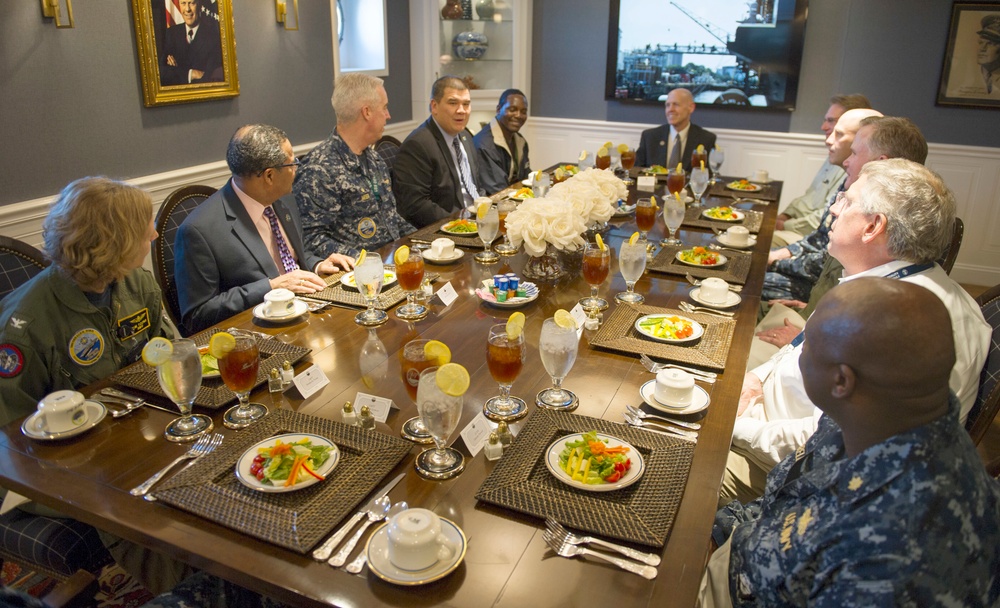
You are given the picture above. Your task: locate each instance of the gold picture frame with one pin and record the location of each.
(181, 65)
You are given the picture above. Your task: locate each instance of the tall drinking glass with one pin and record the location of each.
(180, 379)
(503, 208)
(676, 181)
(368, 277)
(410, 274)
(673, 217)
(504, 357)
(603, 162)
(699, 156)
(413, 361)
(628, 161)
(631, 263)
(440, 414)
(699, 182)
(715, 159)
(488, 225)
(558, 347)
(239, 372)
(645, 217)
(596, 265)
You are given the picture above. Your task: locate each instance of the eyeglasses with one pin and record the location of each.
(294, 163)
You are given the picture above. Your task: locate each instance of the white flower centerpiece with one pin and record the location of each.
(559, 220)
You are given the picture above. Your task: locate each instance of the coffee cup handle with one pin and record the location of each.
(446, 550)
(39, 424)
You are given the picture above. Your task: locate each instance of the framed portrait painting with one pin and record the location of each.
(971, 72)
(187, 51)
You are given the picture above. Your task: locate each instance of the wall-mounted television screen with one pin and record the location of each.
(726, 52)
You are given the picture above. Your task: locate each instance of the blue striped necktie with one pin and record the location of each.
(466, 173)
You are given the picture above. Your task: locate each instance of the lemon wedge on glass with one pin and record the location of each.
(482, 210)
(515, 324)
(221, 344)
(564, 319)
(438, 352)
(157, 351)
(402, 254)
(634, 238)
(600, 242)
(452, 379)
(361, 258)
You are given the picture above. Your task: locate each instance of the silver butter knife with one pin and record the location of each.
(117, 394)
(326, 549)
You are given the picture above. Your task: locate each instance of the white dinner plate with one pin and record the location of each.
(246, 460)
(632, 476)
(722, 260)
(526, 182)
(754, 188)
(388, 279)
(732, 299)
(699, 400)
(737, 216)
(377, 551)
(31, 426)
(445, 230)
(429, 257)
(624, 211)
(299, 308)
(529, 288)
(695, 326)
(724, 240)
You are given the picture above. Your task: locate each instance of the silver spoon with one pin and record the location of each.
(376, 513)
(359, 562)
(660, 428)
(692, 308)
(694, 426)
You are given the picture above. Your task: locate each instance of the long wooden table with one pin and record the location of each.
(508, 563)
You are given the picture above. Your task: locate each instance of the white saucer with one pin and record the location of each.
(299, 308)
(429, 257)
(732, 299)
(526, 182)
(95, 413)
(699, 401)
(378, 557)
(724, 240)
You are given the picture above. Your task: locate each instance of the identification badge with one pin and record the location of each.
(367, 227)
(133, 324)
(86, 346)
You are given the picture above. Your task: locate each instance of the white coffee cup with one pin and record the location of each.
(279, 302)
(738, 235)
(760, 175)
(61, 411)
(714, 290)
(443, 248)
(416, 541)
(674, 387)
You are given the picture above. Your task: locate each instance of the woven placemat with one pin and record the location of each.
(335, 292)
(433, 231)
(751, 221)
(295, 520)
(770, 192)
(618, 333)
(213, 393)
(641, 513)
(735, 270)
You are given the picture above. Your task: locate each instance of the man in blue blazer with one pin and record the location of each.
(429, 175)
(228, 252)
(657, 144)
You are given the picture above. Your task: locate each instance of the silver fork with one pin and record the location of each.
(653, 366)
(566, 536)
(656, 426)
(375, 514)
(694, 426)
(203, 446)
(567, 550)
(715, 247)
(697, 283)
(704, 309)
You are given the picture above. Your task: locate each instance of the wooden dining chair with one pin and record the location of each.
(987, 404)
(177, 206)
(19, 262)
(388, 148)
(947, 260)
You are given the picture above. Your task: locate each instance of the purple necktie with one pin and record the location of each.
(287, 259)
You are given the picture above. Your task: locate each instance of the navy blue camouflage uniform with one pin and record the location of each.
(911, 521)
(346, 200)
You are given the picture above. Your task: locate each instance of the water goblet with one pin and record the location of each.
(413, 362)
(180, 379)
(368, 276)
(557, 347)
(596, 265)
(410, 274)
(239, 371)
(715, 159)
(699, 182)
(504, 357)
(503, 208)
(673, 217)
(488, 225)
(631, 263)
(440, 414)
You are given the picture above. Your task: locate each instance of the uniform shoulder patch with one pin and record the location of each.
(11, 361)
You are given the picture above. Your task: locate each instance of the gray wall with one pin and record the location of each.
(71, 100)
(891, 50)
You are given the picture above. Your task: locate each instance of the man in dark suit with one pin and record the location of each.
(246, 239)
(437, 172)
(661, 146)
(192, 51)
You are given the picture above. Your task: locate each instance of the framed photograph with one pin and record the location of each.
(726, 52)
(187, 51)
(971, 72)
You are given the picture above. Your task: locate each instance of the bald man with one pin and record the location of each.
(675, 141)
(888, 503)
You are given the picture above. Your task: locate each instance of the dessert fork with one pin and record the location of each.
(565, 536)
(567, 550)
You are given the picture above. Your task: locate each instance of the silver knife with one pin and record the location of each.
(111, 392)
(326, 549)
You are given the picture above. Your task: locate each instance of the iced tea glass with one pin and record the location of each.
(410, 274)
(239, 371)
(676, 181)
(504, 357)
(503, 208)
(628, 161)
(596, 265)
(412, 362)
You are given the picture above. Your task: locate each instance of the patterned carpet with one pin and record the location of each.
(116, 588)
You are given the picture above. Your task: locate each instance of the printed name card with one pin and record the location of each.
(476, 433)
(646, 182)
(580, 316)
(379, 406)
(309, 381)
(447, 294)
